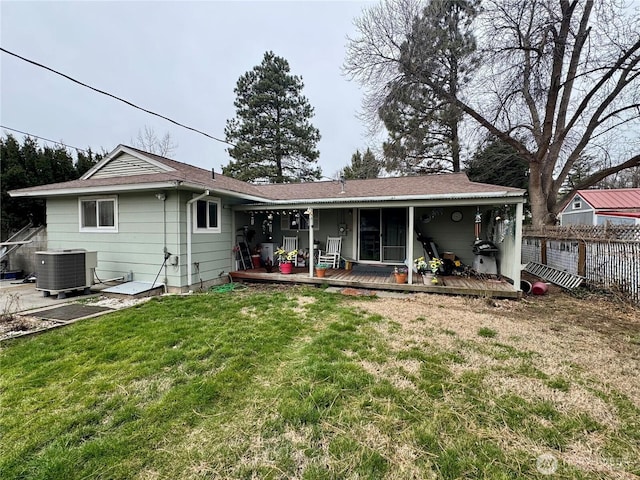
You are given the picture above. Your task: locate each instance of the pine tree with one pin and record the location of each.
(362, 166)
(272, 136)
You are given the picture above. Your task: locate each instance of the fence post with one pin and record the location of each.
(582, 258)
(543, 250)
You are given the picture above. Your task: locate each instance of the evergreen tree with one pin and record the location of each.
(362, 166)
(396, 49)
(86, 161)
(28, 165)
(272, 136)
(499, 164)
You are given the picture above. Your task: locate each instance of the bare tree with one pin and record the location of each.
(423, 126)
(559, 82)
(148, 141)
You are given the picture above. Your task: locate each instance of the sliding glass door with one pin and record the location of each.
(382, 235)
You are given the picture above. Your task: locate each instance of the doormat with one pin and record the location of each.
(69, 312)
(373, 270)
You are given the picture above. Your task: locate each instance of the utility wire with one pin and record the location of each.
(45, 139)
(115, 97)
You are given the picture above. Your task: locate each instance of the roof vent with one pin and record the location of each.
(213, 174)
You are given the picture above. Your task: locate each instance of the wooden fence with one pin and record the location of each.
(608, 257)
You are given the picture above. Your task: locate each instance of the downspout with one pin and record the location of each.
(189, 232)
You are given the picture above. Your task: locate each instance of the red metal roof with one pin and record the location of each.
(620, 214)
(621, 198)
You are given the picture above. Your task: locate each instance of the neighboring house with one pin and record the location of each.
(599, 207)
(136, 209)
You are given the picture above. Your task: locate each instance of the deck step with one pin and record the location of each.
(554, 275)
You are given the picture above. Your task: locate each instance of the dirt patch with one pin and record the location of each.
(17, 324)
(558, 349)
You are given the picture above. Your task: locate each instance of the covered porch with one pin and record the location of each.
(390, 234)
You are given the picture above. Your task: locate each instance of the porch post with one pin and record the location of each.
(410, 245)
(517, 248)
(311, 252)
(233, 254)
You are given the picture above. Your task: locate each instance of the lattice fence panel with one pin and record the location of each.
(583, 232)
(612, 263)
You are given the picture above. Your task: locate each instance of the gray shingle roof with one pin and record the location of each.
(429, 185)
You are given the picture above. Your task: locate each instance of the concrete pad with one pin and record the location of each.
(16, 296)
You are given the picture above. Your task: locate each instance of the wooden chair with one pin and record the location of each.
(289, 244)
(331, 254)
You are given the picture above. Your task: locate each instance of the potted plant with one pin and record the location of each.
(422, 267)
(434, 265)
(268, 265)
(321, 269)
(401, 274)
(256, 258)
(285, 259)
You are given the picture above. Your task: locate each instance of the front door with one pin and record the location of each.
(382, 235)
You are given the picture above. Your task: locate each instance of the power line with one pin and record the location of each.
(45, 139)
(115, 97)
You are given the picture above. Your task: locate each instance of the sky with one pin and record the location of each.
(179, 59)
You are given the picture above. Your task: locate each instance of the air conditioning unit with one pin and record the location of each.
(62, 271)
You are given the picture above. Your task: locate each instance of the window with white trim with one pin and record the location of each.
(98, 214)
(206, 215)
(577, 205)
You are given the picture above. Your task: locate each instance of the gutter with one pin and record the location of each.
(189, 232)
(95, 189)
(132, 188)
(390, 198)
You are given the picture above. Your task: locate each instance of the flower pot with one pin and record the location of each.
(286, 268)
(255, 259)
(401, 277)
(320, 272)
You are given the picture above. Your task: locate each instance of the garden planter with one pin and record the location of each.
(286, 267)
(401, 277)
(255, 259)
(320, 272)
(428, 279)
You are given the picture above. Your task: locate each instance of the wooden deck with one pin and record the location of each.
(452, 285)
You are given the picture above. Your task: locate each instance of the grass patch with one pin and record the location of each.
(295, 383)
(487, 332)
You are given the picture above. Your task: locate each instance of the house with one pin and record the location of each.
(149, 217)
(599, 207)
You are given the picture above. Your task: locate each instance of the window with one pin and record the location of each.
(577, 205)
(207, 215)
(99, 214)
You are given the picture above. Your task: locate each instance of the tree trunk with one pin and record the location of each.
(540, 212)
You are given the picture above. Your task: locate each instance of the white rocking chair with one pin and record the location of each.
(289, 244)
(331, 254)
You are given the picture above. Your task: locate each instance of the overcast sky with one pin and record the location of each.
(179, 59)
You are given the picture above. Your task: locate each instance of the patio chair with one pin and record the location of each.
(331, 254)
(289, 244)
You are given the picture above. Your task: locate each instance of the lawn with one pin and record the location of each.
(285, 382)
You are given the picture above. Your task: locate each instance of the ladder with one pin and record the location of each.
(243, 253)
(553, 275)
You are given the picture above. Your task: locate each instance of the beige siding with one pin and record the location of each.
(126, 165)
